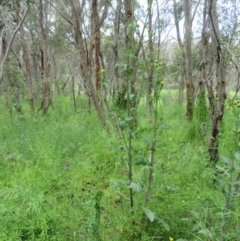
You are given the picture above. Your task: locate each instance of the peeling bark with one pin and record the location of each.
(220, 73)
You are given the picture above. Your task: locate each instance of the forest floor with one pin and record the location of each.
(64, 178)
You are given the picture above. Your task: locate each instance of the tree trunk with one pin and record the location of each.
(26, 62)
(6, 87)
(150, 69)
(122, 95)
(8, 48)
(96, 55)
(85, 60)
(116, 86)
(95, 46)
(188, 62)
(202, 79)
(34, 59)
(181, 83)
(46, 89)
(220, 73)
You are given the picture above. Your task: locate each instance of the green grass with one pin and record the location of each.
(53, 167)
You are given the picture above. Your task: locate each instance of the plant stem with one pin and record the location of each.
(129, 115)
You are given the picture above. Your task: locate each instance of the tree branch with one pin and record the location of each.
(104, 15)
(61, 13)
(195, 10)
(10, 45)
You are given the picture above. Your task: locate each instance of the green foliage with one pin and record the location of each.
(199, 126)
(63, 178)
(11, 6)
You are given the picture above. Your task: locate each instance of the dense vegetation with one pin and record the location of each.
(65, 178)
(120, 120)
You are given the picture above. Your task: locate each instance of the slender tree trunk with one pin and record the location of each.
(85, 60)
(116, 86)
(34, 59)
(181, 46)
(181, 82)
(150, 69)
(188, 62)
(6, 86)
(128, 17)
(204, 52)
(74, 95)
(128, 21)
(220, 73)
(96, 54)
(46, 90)
(202, 79)
(26, 62)
(132, 49)
(127, 86)
(8, 48)
(95, 48)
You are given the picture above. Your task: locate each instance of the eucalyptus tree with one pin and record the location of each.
(43, 32)
(129, 54)
(189, 9)
(116, 45)
(158, 26)
(10, 25)
(150, 70)
(26, 58)
(178, 15)
(5, 49)
(188, 62)
(203, 81)
(88, 44)
(203, 53)
(219, 54)
(38, 42)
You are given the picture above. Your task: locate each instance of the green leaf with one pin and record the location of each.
(164, 224)
(223, 170)
(141, 163)
(136, 187)
(225, 159)
(129, 118)
(164, 127)
(207, 233)
(151, 215)
(122, 124)
(118, 183)
(237, 156)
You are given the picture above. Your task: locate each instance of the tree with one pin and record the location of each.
(117, 20)
(86, 61)
(202, 76)
(177, 13)
(220, 74)
(188, 62)
(26, 59)
(4, 54)
(150, 69)
(46, 88)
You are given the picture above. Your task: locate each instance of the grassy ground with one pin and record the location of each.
(62, 177)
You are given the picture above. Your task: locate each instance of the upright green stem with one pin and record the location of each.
(129, 115)
(129, 71)
(153, 142)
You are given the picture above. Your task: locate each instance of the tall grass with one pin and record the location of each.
(52, 169)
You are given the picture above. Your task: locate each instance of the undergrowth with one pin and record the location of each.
(63, 178)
